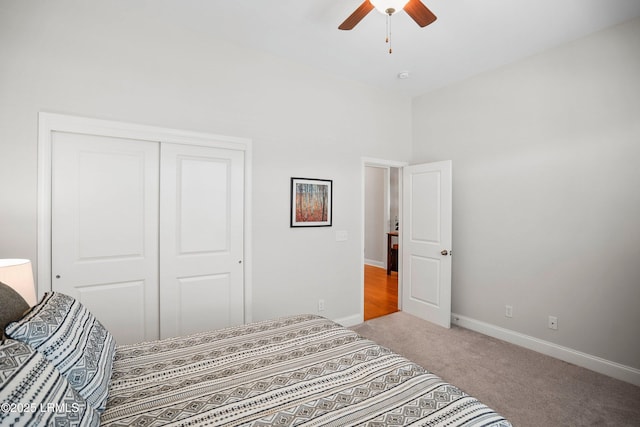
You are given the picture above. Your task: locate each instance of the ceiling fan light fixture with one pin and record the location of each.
(389, 7)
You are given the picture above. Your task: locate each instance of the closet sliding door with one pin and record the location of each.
(145, 226)
(201, 238)
(104, 229)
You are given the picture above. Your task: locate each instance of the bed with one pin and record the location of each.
(297, 370)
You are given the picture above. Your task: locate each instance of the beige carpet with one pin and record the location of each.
(526, 387)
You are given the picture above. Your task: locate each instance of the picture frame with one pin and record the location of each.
(311, 202)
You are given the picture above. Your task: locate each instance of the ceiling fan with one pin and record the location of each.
(414, 8)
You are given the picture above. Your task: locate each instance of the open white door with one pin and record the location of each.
(426, 242)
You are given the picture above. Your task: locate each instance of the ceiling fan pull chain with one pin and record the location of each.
(389, 32)
(387, 39)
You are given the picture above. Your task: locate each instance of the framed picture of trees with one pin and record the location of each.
(311, 202)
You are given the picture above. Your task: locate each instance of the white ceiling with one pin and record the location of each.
(469, 37)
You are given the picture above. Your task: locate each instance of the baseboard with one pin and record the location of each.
(594, 363)
(374, 263)
(349, 321)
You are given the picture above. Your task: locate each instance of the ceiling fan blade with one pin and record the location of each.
(356, 16)
(419, 13)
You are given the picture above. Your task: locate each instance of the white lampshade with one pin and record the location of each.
(17, 274)
(384, 5)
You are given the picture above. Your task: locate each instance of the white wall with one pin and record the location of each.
(149, 63)
(375, 251)
(546, 180)
(545, 155)
(394, 197)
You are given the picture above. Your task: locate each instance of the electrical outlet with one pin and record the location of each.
(320, 305)
(553, 322)
(508, 311)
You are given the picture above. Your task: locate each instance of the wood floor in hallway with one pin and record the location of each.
(380, 292)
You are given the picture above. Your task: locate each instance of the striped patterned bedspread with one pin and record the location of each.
(299, 370)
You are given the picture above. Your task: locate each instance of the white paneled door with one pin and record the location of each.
(201, 239)
(427, 239)
(104, 230)
(148, 235)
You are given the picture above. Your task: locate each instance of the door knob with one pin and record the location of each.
(444, 252)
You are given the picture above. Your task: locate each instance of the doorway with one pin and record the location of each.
(424, 238)
(381, 215)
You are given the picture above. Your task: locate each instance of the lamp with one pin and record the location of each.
(17, 274)
(389, 7)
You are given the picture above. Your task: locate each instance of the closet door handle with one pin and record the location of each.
(444, 252)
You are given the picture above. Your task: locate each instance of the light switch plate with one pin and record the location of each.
(342, 236)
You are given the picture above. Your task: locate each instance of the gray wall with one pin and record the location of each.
(394, 197)
(546, 179)
(375, 251)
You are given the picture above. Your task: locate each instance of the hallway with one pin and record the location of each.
(380, 292)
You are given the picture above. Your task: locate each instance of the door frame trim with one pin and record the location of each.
(48, 123)
(384, 163)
